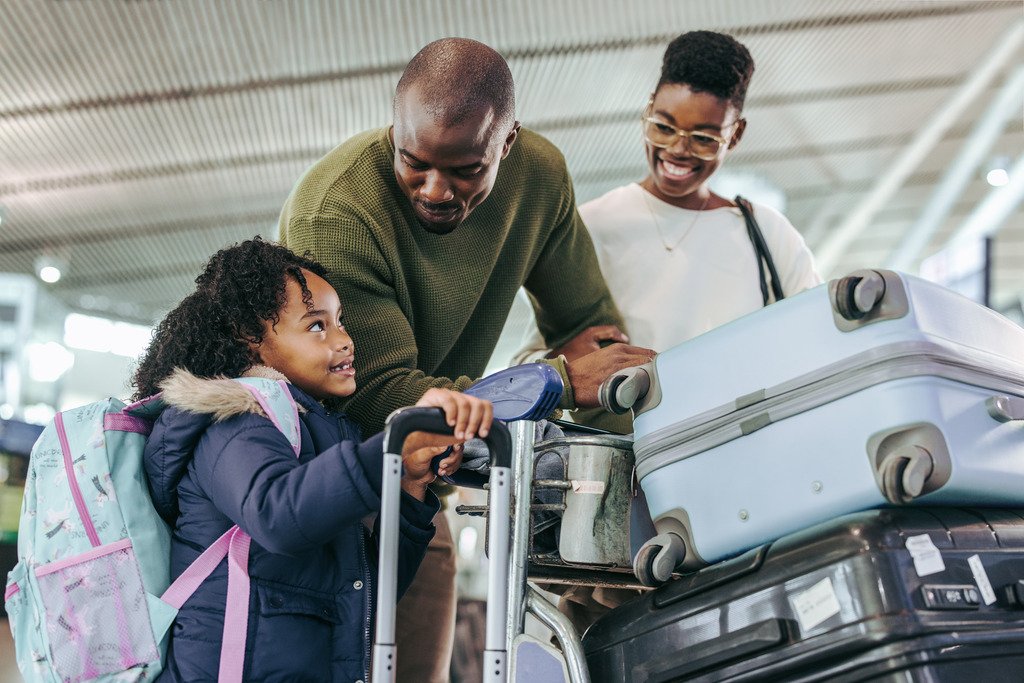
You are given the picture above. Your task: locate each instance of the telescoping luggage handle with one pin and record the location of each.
(400, 424)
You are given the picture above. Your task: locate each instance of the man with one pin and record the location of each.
(428, 229)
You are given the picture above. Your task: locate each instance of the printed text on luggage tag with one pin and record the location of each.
(816, 604)
(927, 558)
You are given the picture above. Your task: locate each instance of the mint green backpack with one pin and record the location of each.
(90, 597)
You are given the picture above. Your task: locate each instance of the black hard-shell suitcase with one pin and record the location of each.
(901, 594)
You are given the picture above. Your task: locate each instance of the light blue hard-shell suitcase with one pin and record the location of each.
(874, 389)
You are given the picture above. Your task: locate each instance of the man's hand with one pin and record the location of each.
(469, 416)
(587, 372)
(588, 341)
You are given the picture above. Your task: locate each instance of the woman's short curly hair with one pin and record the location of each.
(209, 333)
(709, 62)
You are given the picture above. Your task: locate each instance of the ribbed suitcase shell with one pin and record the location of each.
(783, 419)
(767, 615)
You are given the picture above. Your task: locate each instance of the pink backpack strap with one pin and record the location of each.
(125, 422)
(233, 543)
(186, 584)
(236, 614)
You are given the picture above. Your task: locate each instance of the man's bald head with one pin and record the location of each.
(457, 78)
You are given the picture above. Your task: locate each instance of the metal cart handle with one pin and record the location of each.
(399, 425)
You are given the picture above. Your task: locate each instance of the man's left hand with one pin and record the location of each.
(589, 340)
(588, 372)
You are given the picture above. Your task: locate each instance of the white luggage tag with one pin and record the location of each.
(927, 558)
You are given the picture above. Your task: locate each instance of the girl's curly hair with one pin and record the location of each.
(209, 332)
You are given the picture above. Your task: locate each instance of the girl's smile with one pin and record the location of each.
(309, 344)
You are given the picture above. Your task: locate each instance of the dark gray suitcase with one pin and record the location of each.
(899, 594)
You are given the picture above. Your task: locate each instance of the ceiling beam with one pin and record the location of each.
(632, 114)
(960, 172)
(846, 232)
(988, 217)
(145, 97)
(139, 231)
(183, 168)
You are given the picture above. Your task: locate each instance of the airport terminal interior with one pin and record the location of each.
(139, 138)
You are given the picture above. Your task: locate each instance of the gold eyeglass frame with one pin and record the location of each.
(646, 118)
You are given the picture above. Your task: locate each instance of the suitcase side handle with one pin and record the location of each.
(741, 644)
(1005, 408)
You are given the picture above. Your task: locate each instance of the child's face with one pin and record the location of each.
(310, 346)
(674, 171)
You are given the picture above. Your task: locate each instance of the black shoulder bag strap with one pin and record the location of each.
(761, 253)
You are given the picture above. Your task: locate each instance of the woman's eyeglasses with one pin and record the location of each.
(702, 145)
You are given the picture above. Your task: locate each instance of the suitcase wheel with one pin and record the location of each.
(904, 472)
(859, 293)
(658, 559)
(622, 390)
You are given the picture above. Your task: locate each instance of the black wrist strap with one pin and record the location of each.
(761, 253)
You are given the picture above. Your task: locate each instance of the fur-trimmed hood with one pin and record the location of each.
(191, 405)
(219, 397)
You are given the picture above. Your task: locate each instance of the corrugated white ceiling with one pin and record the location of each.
(136, 138)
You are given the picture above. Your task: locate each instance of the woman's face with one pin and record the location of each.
(676, 174)
(309, 344)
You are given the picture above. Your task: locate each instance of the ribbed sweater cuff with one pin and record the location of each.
(568, 398)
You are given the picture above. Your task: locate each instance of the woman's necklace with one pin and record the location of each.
(657, 224)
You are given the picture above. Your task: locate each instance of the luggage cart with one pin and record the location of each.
(530, 659)
(399, 425)
(509, 653)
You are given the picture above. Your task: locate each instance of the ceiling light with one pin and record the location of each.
(49, 274)
(997, 175)
(107, 336)
(49, 269)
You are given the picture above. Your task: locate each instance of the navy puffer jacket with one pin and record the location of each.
(312, 561)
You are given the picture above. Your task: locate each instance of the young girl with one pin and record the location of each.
(214, 461)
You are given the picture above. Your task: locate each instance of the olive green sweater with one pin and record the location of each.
(426, 310)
